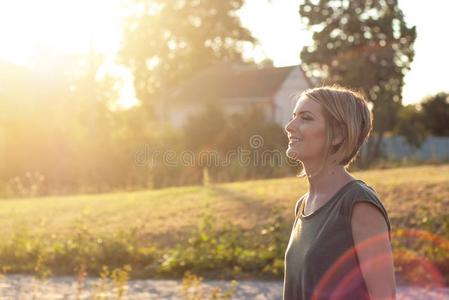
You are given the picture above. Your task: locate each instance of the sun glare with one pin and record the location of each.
(31, 27)
(34, 32)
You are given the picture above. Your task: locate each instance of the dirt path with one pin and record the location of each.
(20, 287)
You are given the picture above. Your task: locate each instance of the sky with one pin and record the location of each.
(28, 36)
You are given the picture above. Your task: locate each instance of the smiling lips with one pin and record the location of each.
(294, 140)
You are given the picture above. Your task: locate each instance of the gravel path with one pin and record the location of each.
(21, 287)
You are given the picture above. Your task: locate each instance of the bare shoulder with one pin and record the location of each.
(367, 218)
(373, 248)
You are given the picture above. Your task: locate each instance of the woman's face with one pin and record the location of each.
(306, 131)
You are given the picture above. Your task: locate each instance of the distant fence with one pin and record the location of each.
(434, 148)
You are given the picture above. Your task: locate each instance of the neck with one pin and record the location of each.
(326, 180)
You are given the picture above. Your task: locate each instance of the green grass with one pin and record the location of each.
(415, 197)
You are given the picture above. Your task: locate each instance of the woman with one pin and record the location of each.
(340, 243)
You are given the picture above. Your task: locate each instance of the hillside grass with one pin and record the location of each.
(415, 197)
(161, 213)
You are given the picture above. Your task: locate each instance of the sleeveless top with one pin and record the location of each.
(320, 259)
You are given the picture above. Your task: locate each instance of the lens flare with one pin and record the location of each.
(342, 277)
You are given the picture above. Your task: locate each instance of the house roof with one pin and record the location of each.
(231, 82)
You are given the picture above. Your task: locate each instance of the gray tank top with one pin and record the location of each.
(320, 259)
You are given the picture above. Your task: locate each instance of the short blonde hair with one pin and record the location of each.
(346, 110)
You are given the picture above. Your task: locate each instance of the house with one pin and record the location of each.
(236, 87)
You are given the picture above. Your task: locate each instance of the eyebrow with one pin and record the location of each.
(302, 112)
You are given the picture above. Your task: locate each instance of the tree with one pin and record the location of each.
(365, 45)
(246, 144)
(436, 114)
(411, 125)
(57, 126)
(169, 40)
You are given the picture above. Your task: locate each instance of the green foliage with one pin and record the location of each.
(137, 148)
(207, 250)
(179, 38)
(31, 253)
(69, 128)
(436, 114)
(421, 246)
(80, 141)
(229, 138)
(229, 250)
(201, 137)
(411, 125)
(416, 122)
(224, 253)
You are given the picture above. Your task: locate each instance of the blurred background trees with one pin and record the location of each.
(60, 125)
(167, 41)
(435, 111)
(60, 131)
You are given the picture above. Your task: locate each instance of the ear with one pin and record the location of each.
(338, 136)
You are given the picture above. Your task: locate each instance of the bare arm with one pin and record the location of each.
(373, 248)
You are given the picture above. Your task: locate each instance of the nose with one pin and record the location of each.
(288, 128)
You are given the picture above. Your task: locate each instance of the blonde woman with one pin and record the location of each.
(340, 243)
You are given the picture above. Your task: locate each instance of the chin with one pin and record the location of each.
(293, 154)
